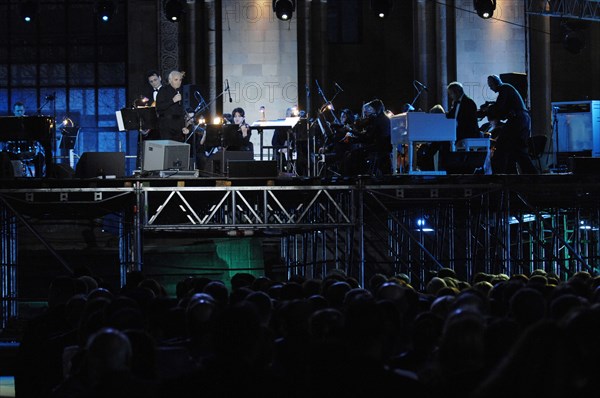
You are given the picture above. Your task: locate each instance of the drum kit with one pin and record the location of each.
(23, 155)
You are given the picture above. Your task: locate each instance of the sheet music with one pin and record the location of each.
(120, 121)
(287, 122)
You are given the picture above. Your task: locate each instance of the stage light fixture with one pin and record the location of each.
(284, 9)
(29, 10)
(382, 8)
(105, 10)
(174, 10)
(484, 8)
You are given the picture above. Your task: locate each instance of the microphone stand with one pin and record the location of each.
(328, 105)
(202, 107)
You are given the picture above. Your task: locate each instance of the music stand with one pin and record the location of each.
(231, 136)
(139, 118)
(213, 135)
(68, 137)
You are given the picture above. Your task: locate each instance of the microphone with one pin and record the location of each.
(179, 102)
(338, 87)
(307, 90)
(424, 87)
(197, 95)
(51, 97)
(228, 90)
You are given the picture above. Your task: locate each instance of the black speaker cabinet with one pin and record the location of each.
(252, 168)
(100, 164)
(467, 162)
(584, 165)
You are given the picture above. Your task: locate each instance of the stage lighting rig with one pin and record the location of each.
(174, 10)
(382, 8)
(28, 10)
(284, 9)
(485, 8)
(105, 10)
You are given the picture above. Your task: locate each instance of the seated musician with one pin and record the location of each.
(280, 141)
(239, 118)
(371, 152)
(343, 137)
(30, 153)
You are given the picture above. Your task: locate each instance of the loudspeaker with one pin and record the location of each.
(218, 162)
(470, 162)
(518, 81)
(188, 97)
(61, 171)
(252, 168)
(584, 165)
(165, 155)
(100, 164)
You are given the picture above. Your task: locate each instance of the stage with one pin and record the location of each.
(283, 226)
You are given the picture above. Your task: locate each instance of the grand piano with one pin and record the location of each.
(410, 127)
(30, 128)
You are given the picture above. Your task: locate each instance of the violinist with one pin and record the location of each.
(239, 118)
(343, 138)
(373, 154)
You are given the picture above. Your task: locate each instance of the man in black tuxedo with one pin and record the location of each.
(148, 98)
(171, 114)
(464, 110)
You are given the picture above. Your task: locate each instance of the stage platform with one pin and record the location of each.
(403, 223)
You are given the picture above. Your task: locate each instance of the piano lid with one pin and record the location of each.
(271, 124)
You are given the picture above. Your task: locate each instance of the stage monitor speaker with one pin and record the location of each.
(188, 97)
(61, 171)
(518, 81)
(100, 164)
(218, 162)
(252, 168)
(165, 155)
(584, 165)
(468, 162)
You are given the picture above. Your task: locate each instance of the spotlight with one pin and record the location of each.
(381, 8)
(174, 10)
(105, 9)
(28, 10)
(284, 9)
(484, 8)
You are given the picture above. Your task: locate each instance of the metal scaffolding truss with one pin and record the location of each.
(579, 9)
(471, 224)
(257, 209)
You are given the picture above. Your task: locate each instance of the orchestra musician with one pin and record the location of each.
(281, 140)
(149, 99)
(173, 121)
(512, 137)
(372, 148)
(30, 153)
(464, 111)
(343, 135)
(239, 118)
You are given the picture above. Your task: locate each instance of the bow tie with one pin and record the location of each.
(155, 89)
